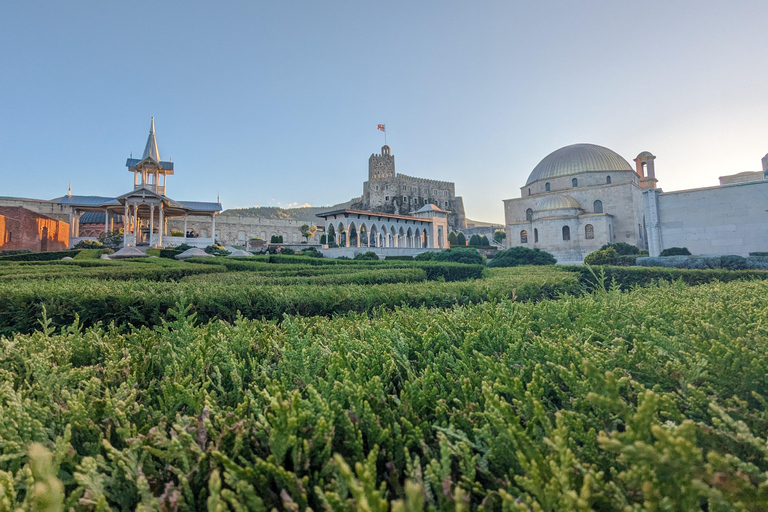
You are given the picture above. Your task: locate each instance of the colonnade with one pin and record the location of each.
(379, 234)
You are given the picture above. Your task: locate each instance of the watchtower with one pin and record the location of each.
(381, 166)
(646, 170)
(148, 170)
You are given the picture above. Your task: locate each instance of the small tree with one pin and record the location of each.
(461, 239)
(112, 239)
(484, 241)
(452, 240)
(461, 255)
(323, 239)
(474, 240)
(499, 236)
(308, 231)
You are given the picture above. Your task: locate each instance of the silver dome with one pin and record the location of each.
(556, 202)
(578, 158)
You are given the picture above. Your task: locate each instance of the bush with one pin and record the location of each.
(92, 254)
(461, 255)
(170, 253)
(311, 252)
(675, 251)
(112, 239)
(177, 232)
(370, 255)
(398, 258)
(733, 262)
(452, 238)
(89, 244)
(484, 241)
(756, 253)
(621, 248)
(517, 256)
(605, 256)
(323, 239)
(425, 256)
(474, 240)
(41, 256)
(216, 250)
(287, 251)
(461, 239)
(14, 252)
(183, 247)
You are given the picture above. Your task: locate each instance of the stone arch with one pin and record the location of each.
(574, 182)
(566, 233)
(589, 232)
(409, 238)
(547, 187)
(529, 214)
(607, 180)
(373, 237)
(393, 236)
(401, 237)
(341, 234)
(353, 234)
(535, 235)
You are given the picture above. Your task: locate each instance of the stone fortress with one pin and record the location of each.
(389, 192)
(583, 196)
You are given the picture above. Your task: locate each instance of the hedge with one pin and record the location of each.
(41, 256)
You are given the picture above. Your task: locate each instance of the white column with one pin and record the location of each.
(126, 225)
(135, 224)
(151, 223)
(213, 227)
(162, 226)
(106, 221)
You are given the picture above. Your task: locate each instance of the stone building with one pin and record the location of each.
(583, 196)
(236, 230)
(390, 192)
(21, 228)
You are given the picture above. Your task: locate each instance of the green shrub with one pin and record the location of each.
(370, 255)
(461, 240)
(629, 277)
(112, 239)
(216, 250)
(92, 254)
(170, 253)
(312, 252)
(484, 241)
(517, 256)
(622, 248)
(287, 251)
(675, 251)
(41, 256)
(757, 253)
(14, 252)
(89, 244)
(398, 258)
(461, 255)
(474, 240)
(425, 256)
(733, 262)
(183, 247)
(453, 238)
(177, 232)
(606, 256)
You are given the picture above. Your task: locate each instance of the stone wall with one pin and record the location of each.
(729, 219)
(235, 230)
(53, 210)
(21, 228)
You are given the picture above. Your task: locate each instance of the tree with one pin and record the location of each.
(521, 256)
(622, 248)
(308, 231)
(484, 241)
(112, 239)
(461, 255)
(499, 236)
(461, 239)
(452, 240)
(474, 240)
(323, 239)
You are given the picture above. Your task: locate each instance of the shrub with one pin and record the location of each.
(216, 250)
(183, 247)
(287, 251)
(461, 239)
(474, 240)
(425, 256)
(177, 232)
(452, 238)
(733, 262)
(675, 251)
(323, 239)
(461, 255)
(622, 248)
(13, 252)
(370, 255)
(398, 258)
(41, 256)
(170, 253)
(89, 244)
(112, 239)
(484, 241)
(311, 252)
(92, 254)
(756, 253)
(517, 256)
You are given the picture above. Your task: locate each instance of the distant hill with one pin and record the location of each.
(307, 214)
(481, 224)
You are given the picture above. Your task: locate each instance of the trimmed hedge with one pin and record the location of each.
(41, 256)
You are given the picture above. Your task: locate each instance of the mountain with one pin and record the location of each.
(307, 214)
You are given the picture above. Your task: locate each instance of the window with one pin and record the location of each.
(405, 199)
(529, 191)
(640, 231)
(295, 237)
(589, 232)
(405, 188)
(598, 206)
(445, 193)
(566, 233)
(523, 237)
(546, 186)
(424, 192)
(241, 236)
(574, 183)
(529, 214)
(535, 236)
(445, 203)
(434, 191)
(607, 180)
(203, 233)
(386, 187)
(377, 187)
(10, 236)
(415, 190)
(386, 198)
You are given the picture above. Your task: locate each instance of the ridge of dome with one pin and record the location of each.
(576, 159)
(556, 202)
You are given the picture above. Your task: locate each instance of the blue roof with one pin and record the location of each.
(87, 201)
(196, 205)
(98, 218)
(132, 162)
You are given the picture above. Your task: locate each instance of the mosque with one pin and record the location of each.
(583, 196)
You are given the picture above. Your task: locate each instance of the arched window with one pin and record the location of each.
(607, 180)
(529, 214)
(546, 186)
(589, 232)
(523, 237)
(598, 206)
(566, 233)
(535, 235)
(575, 182)
(529, 191)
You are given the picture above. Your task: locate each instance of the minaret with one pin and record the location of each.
(69, 191)
(646, 170)
(150, 150)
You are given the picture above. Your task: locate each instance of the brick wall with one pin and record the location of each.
(21, 228)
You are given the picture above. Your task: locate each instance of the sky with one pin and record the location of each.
(276, 103)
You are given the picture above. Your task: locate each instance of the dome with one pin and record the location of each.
(578, 158)
(556, 202)
(644, 154)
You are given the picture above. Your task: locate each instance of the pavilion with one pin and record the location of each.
(145, 210)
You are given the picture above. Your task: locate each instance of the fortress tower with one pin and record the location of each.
(381, 166)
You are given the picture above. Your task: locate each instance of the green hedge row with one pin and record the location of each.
(141, 302)
(627, 277)
(653, 400)
(282, 278)
(40, 256)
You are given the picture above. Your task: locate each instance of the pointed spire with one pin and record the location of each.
(218, 198)
(69, 192)
(150, 150)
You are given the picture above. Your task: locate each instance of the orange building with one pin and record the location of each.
(21, 228)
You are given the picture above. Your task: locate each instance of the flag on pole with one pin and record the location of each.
(381, 127)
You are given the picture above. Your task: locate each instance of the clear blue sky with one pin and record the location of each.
(274, 103)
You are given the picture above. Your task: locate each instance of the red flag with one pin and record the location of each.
(381, 127)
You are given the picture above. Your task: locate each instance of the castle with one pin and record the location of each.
(388, 192)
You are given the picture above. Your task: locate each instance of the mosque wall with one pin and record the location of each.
(728, 219)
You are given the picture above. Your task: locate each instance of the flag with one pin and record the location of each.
(381, 127)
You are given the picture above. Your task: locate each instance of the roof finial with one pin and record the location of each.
(218, 197)
(150, 150)
(69, 192)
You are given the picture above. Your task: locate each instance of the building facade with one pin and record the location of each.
(389, 192)
(23, 229)
(583, 196)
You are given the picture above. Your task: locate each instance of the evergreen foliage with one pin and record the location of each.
(675, 251)
(461, 255)
(452, 238)
(517, 256)
(461, 239)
